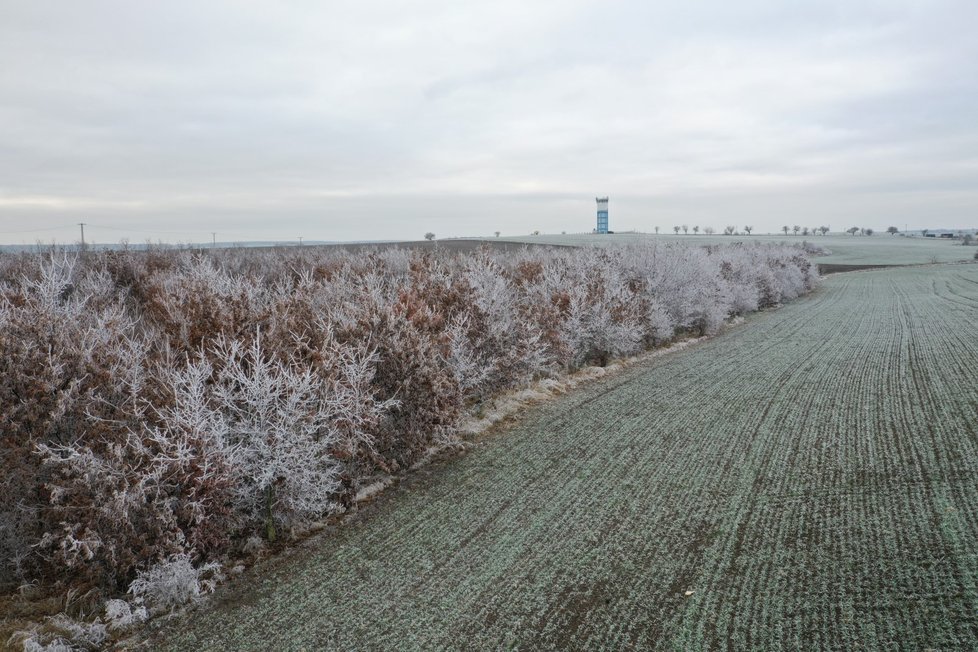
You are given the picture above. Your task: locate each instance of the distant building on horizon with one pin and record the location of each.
(602, 214)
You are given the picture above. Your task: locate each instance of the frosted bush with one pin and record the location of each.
(203, 301)
(62, 633)
(813, 249)
(69, 358)
(656, 322)
(168, 405)
(120, 615)
(281, 423)
(591, 329)
(471, 367)
(173, 583)
(511, 346)
(31, 644)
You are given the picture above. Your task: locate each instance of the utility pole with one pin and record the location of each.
(213, 239)
(300, 240)
(82, 225)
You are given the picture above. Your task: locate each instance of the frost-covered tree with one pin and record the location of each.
(281, 423)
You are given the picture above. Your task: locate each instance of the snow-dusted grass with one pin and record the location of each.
(512, 404)
(807, 481)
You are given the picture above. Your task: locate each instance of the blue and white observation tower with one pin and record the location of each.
(602, 214)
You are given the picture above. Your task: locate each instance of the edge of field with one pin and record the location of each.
(507, 411)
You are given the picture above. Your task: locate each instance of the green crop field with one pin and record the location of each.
(807, 480)
(878, 249)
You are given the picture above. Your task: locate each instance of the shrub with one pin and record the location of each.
(70, 364)
(62, 634)
(160, 409)
(282, 420)
(170, 584)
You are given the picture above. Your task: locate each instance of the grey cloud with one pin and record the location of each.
(387, 119)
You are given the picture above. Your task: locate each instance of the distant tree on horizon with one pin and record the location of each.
(852, 230)
(429, 236)
(823, 229)
(786, 228)
(657, 230)
(709, 230)
(696, 229)
(685, 229)
(497, 234)
(748, 229)
(676, 229)
(892, 230)
(796, 229)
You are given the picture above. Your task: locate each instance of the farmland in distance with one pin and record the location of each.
(807, 481)
(879, 249)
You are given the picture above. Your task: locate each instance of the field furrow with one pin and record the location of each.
(807, 480)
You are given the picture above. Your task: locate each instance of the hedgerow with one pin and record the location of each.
(174, 404)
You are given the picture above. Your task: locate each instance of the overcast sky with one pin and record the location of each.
(350, 120)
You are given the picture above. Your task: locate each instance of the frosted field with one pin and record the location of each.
(879, 249)
(808, 480)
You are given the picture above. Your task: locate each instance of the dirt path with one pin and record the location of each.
(808, 480)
